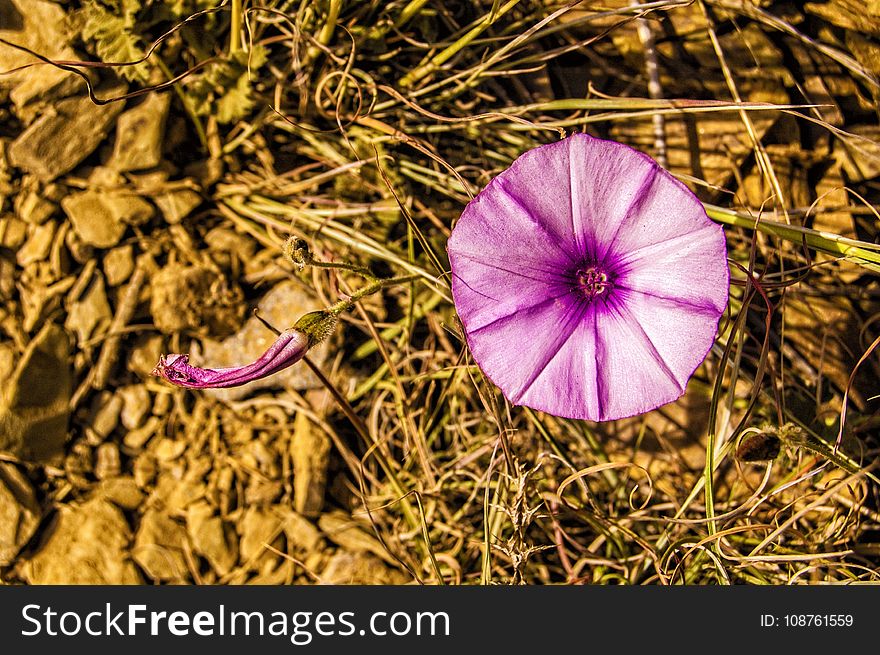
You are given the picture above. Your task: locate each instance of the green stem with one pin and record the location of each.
(363, 271)
(367, 290)
(860, 252)
(408, 12)
(330, 24)
(187, 105)
(235, 27)
(445, 55)
(327, 30)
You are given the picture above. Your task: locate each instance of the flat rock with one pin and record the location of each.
(713, 151)
(136, 405)
(310, 456)
(158, 547)
(88, 544)
(40, 26)
(281, 307)
(862, 16)
(101, 218)
(118, 264)
(349, 568)
(19, 512)
(859, 158)
(89, 311)
(64, 135)
(34, 401)
(139, 134)
(259, 527)
(122, 491)
(352, 535)
(302, 535)
(212, 537)
(38, 244)
(177, 204)
(196, 298)
(31, 205)
(14, 234)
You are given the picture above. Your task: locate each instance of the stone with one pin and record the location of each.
(64, 135)
(30, 206)
(38, 244)
(144, 354)
(19, 512)
(346, 568)
(139, 134)
(122, 491)
(158, 547)
(138, 437)
(258, 527)
(106, 408)
(859, 157)
(302, 535)
(13, 232)
(196, 298)
(136, 405)
(101, 218)
(212, 537)
(168, 450)
(118, 264)
(89, 544)
(89, 312)
(351, 535)
(862, 16)
(34, 402)
(108, 464)
(40, 26)
(178, 204)
(707, 146)
(310, 456)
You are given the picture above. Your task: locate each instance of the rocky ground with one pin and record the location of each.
(153, 224)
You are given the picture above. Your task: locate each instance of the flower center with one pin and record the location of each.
(592, 281)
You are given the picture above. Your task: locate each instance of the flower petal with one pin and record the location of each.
(502, 260)
(607, 180)
(568, 384)
(661, 321)
(632, 202)
(633, 375)
(539, 181)
(515, 349)
(691, 269)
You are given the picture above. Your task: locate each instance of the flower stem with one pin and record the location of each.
(297, 251)
(345, 266)
(367, 290)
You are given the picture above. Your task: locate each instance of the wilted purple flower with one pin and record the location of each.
(290, 347)
(589, 281)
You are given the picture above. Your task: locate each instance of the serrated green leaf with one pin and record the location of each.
(224, 91)
(113, 36)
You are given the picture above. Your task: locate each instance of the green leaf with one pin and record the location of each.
(113, 35)
(236, 103)
(225, 90)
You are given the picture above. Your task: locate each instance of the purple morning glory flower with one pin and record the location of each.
(290, 347)
(589, 281)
